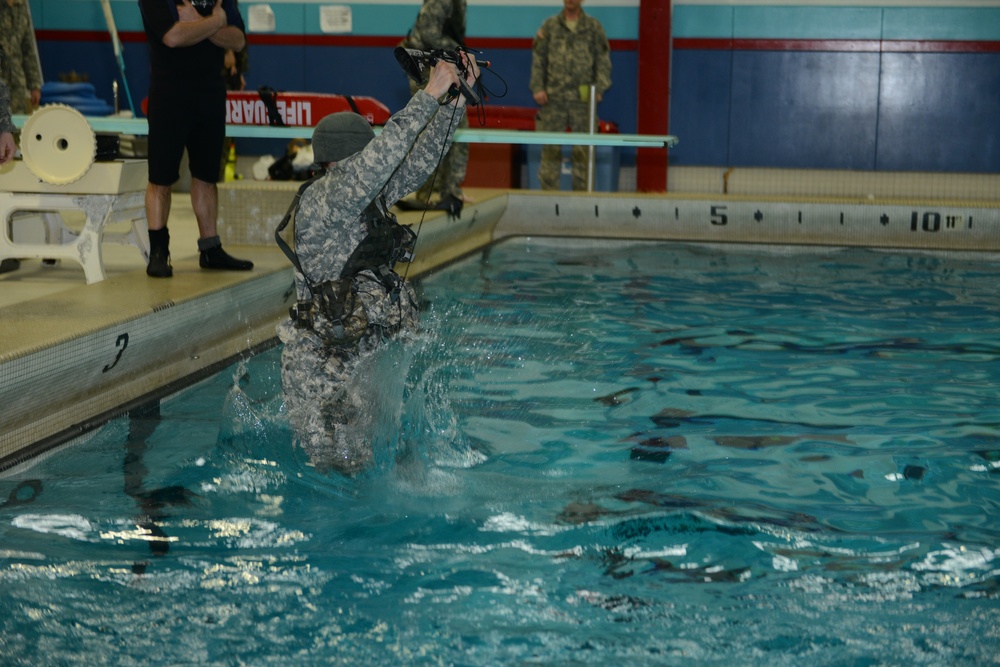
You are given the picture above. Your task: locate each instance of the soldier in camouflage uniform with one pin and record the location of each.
(7, 145)
(440, 24)
(20, 60)
(570, 53)
(346, 242)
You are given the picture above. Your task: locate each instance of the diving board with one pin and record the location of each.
(139, 127)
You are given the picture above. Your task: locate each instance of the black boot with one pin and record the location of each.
(451, 204)
(214, 257)
(159, 254)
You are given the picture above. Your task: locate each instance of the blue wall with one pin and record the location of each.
(887, 88)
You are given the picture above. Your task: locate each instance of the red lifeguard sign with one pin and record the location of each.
(301, 109)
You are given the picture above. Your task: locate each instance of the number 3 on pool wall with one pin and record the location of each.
(718, 217)
(121, 343)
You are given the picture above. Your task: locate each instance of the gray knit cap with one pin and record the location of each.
(340, 135)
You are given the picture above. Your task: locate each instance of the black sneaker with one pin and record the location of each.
(8, 265)
(217, 258)
(159, 264)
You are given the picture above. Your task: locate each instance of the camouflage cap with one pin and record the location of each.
(340, 135)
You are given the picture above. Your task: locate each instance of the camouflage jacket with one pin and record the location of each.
(564, 59)
(440, 25)
(329, 223)
(19, 69)
(5, 123)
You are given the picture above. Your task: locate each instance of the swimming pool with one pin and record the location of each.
(652, 452)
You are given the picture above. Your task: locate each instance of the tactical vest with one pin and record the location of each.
(333, 310)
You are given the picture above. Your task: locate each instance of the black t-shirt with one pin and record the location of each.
(198, 66)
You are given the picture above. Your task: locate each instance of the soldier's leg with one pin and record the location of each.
(551, 118)
(579, 120)
(20, 103)
(313, 380)
(581, 160)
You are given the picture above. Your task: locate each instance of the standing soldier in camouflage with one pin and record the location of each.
(346, 244)
(20, 57)
(570, 53)
(440, 24)
(7, 149)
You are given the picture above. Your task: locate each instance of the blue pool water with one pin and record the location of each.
(596, 453)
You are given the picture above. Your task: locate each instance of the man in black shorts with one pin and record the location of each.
(187, 109)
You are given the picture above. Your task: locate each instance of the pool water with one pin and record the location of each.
(595, 453)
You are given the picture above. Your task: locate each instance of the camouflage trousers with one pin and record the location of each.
(448, 177)
(21, 105)
(330, 398)
(556, 117)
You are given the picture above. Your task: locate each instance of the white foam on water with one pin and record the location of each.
(72, 526)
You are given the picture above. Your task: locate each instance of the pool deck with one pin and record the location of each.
(73, 355)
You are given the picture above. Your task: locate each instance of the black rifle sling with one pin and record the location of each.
(289, 253)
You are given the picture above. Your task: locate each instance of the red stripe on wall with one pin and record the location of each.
(706, 44)
(836, 45)
(373, 41)
(901, 46)
(86, 36)
(479, 43)
(848, 45)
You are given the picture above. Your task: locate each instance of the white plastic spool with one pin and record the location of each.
(58, 144)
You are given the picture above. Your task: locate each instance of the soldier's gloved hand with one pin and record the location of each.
(451, 204)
